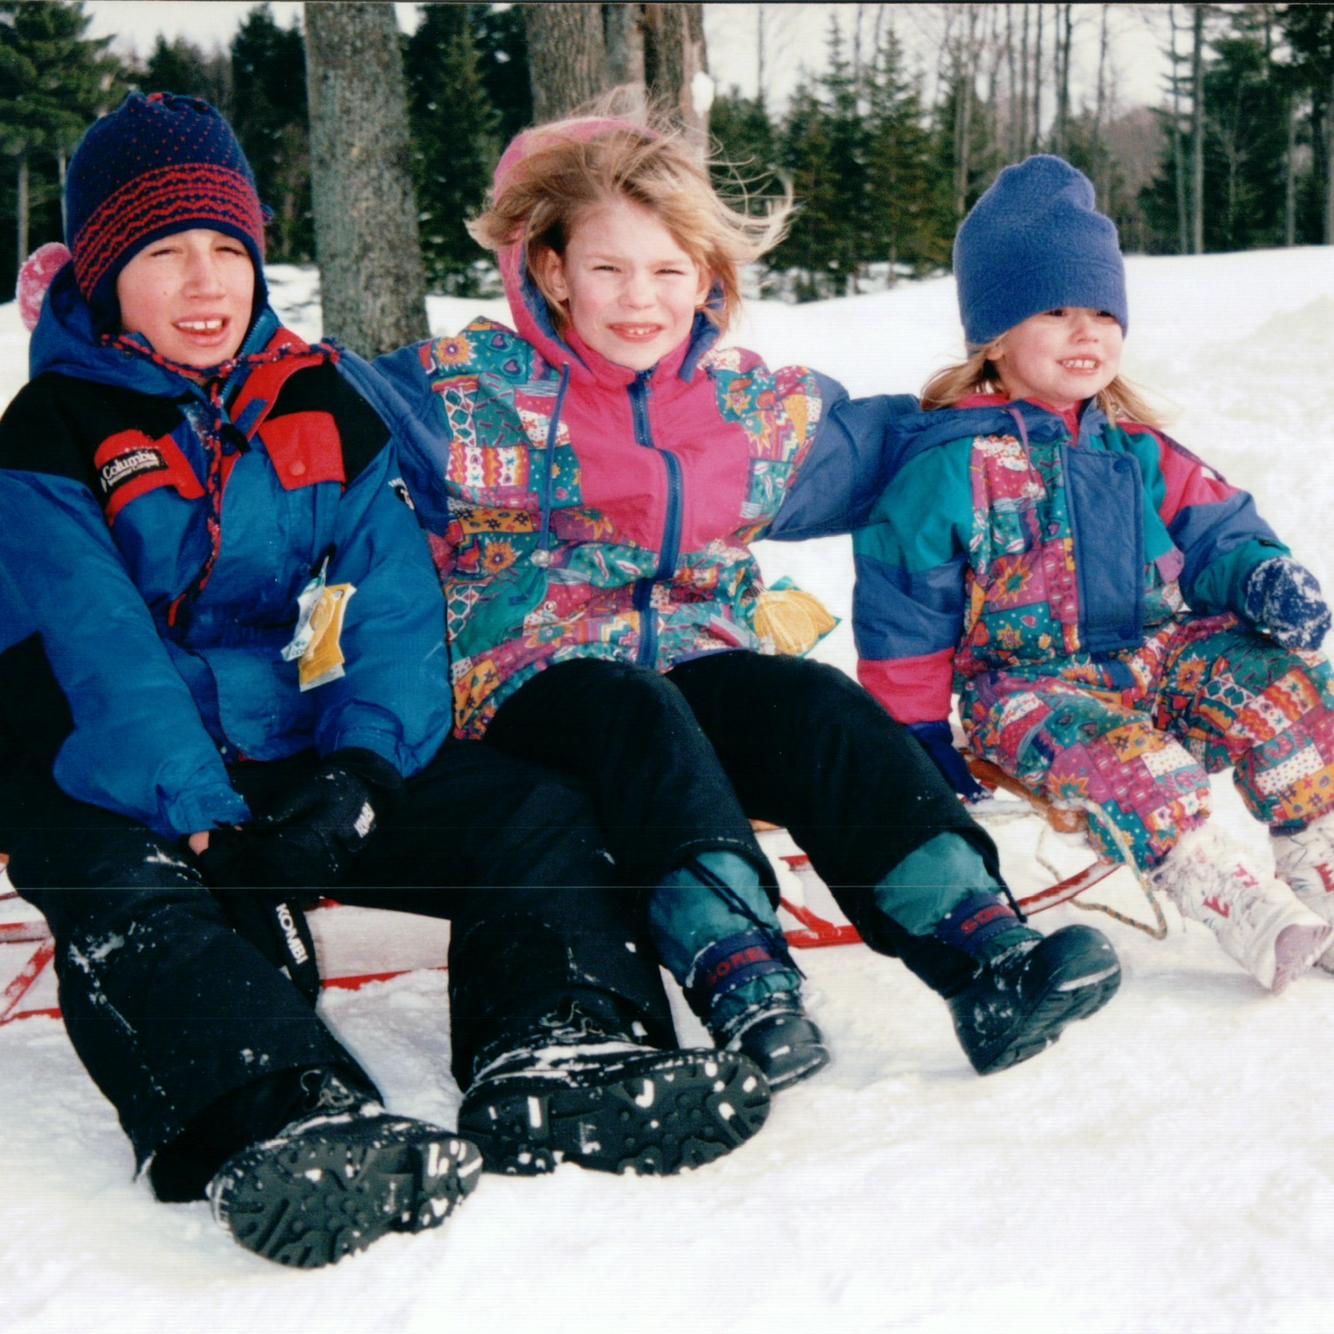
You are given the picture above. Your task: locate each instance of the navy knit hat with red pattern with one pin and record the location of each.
(158, 164)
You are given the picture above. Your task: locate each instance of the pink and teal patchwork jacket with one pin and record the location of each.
(580, 509)
(1014, 538)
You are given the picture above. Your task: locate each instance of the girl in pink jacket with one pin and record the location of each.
(592, 484)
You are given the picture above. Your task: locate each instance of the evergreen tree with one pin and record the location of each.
(456, 141)
(179, 66)
(54, 80)
(745, 150)
(501, 42)
(1309, 32)
(908, 208)
(805, 152)
(268, 112)
(824, 148)
(1245, 137)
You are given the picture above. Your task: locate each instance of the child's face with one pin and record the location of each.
(630, 290)
(1062, 356)
(190, 294)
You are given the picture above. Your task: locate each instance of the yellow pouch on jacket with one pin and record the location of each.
(323, 659)
(794, 621)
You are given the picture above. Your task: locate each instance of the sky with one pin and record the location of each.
(796, 36)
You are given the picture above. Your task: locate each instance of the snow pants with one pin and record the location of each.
(679, 763)
(1134, 737)
(173, 1013)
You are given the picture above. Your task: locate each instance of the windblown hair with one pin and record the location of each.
(981, 374)
(569, 167)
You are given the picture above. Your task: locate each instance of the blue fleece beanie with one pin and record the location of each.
(156, 165)
(1034, 242)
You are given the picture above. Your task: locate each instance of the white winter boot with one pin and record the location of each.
(1305, 862)
(1257, 919)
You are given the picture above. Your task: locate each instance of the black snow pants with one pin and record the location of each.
(679, 763)
(174, 1014)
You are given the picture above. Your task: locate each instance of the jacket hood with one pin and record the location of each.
(528, 307)
(986, 414)
(65, 341)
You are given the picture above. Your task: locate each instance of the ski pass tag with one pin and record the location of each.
(316, 643)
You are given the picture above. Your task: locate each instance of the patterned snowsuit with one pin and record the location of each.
(584, 513)
(1080, 584)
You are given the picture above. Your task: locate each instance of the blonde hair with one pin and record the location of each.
(571, 166)
(980, 374)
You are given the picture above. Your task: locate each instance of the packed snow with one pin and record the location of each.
(1169, 1165)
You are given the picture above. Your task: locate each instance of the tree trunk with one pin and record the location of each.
(1037, 84)
(1197, 134)
(1013, 134)
(567, 57)
(1178, 150)
(1290, 176)
(761, 54)
(1329, 165)
(1101, 182)
(676, 66)
(21, 211)
(1063, 40)
(1024, 68)
(372, 283)
(623, 32)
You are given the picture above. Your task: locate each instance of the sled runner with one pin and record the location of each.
(811, 918)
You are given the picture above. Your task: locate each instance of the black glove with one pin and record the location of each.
(938, 742)
(309, 838)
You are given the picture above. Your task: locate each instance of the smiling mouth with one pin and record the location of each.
(638, 332)
(1080, 364)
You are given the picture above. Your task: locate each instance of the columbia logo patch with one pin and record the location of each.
(126, 467)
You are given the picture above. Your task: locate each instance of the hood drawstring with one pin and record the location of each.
(208, 414)
(1018, 417)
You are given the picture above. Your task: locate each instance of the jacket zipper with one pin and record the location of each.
(639, 392)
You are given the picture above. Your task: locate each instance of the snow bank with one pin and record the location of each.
(1166, 1166)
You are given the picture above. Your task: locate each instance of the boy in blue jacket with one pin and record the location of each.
(223, 686)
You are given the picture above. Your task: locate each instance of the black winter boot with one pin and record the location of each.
(776, 1034)
(1027, 987)
(746, 988)
(340, 1177)
(578, 1092)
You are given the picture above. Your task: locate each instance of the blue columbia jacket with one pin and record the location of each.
(154, 536)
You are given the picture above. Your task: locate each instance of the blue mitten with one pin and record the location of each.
(937, 741)
(1283, 598)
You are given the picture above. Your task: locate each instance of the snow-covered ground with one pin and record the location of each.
(1167, 1166)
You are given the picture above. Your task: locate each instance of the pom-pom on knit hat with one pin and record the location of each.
(1035, 242)
(158, 164)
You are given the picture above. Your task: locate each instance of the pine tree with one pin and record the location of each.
(1245, 140)
(824, 147)
(54, 81)
(1309, 32)
(908, 211)
(268, 112)
(179, 66)
(805, 152)
(745, 148)
(455, 132)
(501, 41)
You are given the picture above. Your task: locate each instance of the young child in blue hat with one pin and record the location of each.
(1119, 621)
